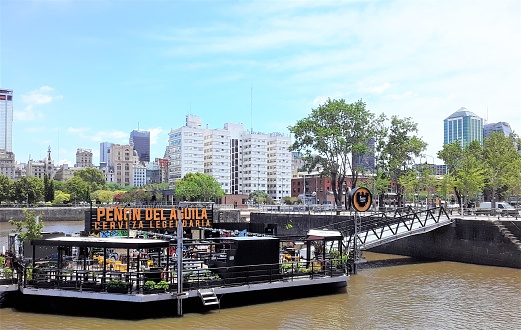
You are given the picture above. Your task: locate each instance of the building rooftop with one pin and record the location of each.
(462, 112)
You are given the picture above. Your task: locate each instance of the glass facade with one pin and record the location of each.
(140, 140)
(6, 120)
(463, 126)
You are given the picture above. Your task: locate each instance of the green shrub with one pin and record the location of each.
(161, 285)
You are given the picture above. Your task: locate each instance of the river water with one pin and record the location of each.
(389, 292)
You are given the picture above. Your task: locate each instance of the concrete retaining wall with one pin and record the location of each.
(468, 241)
(46, 213)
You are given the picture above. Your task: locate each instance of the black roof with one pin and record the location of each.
(110, 242)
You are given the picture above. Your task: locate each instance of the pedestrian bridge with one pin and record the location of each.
(384, 227)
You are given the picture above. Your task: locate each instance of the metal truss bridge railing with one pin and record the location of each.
(381, 228)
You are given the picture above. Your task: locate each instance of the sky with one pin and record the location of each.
(89, 71)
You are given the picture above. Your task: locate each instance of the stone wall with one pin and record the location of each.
(46, 213)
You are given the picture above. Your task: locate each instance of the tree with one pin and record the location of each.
(28, 190)
(330, 135)
(198, 187)
(452, 156)
(410, 183)
(260, 196)
(471, 175)
(396, 148)
(30, 228)
(103, 196)
(78, 189)
(48, 188)
(61, 198)
(94, 177)
(5, 188)
(502, 163)
(136, 195)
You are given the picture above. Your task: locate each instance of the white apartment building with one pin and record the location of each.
(239, 160)
(185, 149)
(139, 178)
(217, 156)
(279, 166)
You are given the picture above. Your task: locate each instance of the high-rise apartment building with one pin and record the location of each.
(239, 160)
(185, 149)
(500, 127)
(463, 126)
(6, 120)
(140, 140)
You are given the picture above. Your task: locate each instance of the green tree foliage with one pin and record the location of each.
(103, 196)
(503, 163)
(61, 197)
(113, 186)
(156, 186)
(93, 177)
(291, 200)
(136, 195)
(396, 148)
(5, 189)
(28, 190)
(30, 228)
(330, 135)
(259, 196)
(78, 189)
(198, 187)
(471, 175)
(410, 183)
(452, 156)
(48, 188)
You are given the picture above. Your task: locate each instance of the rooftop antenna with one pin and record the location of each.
(251, 108)
(138, 125)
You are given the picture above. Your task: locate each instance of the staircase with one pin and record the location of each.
(208, 297)
(507, 233)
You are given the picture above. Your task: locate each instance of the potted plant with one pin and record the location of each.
(150, 287)
(117, 286)
(163, 286)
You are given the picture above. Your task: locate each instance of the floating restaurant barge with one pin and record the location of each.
(113, 274)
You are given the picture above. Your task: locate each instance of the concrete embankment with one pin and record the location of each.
(46, 213)
(476, 240)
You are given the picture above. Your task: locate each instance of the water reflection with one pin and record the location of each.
(389, 292)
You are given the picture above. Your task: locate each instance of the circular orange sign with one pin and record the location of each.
(361, 199)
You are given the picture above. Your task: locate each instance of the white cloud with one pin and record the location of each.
(379, 89)
(111, 136)
(154, 134)
(33, 99)
(334, 96)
